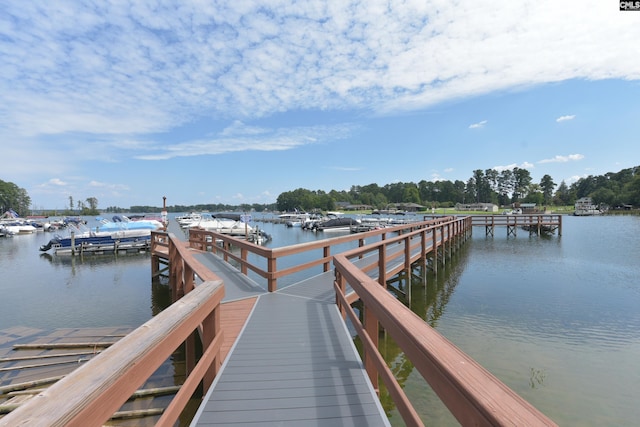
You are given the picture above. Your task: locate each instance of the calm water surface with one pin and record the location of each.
(556, 319)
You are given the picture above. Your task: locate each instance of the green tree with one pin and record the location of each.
(506, 185)
(470, 191)
(632, 191)
(534, 195)
(411, 194)
(14, 197)
(547, 185)
(563, 195)
(521, 180)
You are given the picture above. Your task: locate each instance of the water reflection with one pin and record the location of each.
(555, 319)
(427, 294)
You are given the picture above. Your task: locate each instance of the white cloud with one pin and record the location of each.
(144, 67)
(574, 178)
(478, 125)
(565, 118)
(56, 181)
(238, 137)
(563, 159)
(523, 165)
(239, 128)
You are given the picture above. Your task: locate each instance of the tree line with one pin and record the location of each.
(489, 186)
(17, 199)
(502, 188)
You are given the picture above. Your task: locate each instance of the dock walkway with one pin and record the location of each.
(294, 363)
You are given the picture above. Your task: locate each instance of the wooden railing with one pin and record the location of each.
(236, 250)
(472, 394)
(91, 394)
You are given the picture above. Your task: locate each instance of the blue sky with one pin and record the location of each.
(236, 102)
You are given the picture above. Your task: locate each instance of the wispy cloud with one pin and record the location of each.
(56, 181)
(523, 165)
(563, 159)
(565, 118)
(144, 67)
(478, 125)
(238, 137)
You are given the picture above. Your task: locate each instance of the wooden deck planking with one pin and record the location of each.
(294, 364)
(237, 285)
(233, 317)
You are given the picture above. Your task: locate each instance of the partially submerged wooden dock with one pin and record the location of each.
(31, 360)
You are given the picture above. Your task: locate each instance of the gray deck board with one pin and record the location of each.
(237, 285)
(293, 364)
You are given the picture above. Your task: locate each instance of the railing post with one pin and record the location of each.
(559, 225)
(443, 244)
(434, 248)
(243, 264)
(341, 284)
(371, 326)
(271, 271)
(210, 330)
(407, 254)
(188, 279)
(382, 265)
(326, 252)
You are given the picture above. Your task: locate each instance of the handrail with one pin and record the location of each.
(92, 393)
(222, 244)
(472, 394)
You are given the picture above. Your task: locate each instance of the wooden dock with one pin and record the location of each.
(283, 355)
(293, 364)
(533, 224)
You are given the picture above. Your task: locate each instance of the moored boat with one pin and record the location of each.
(118, 235)
(336, 224)
(100, 242)
(11, 224)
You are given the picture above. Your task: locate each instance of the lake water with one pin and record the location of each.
(555, 318)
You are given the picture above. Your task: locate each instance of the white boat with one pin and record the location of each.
(294, 219)
(312, 220)
(188, 219)
(119, 234)
(84, 241)
(230, 224)
(585, 207)
(336, 224)
(121, 222)
(11, 224)
(223, 226)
